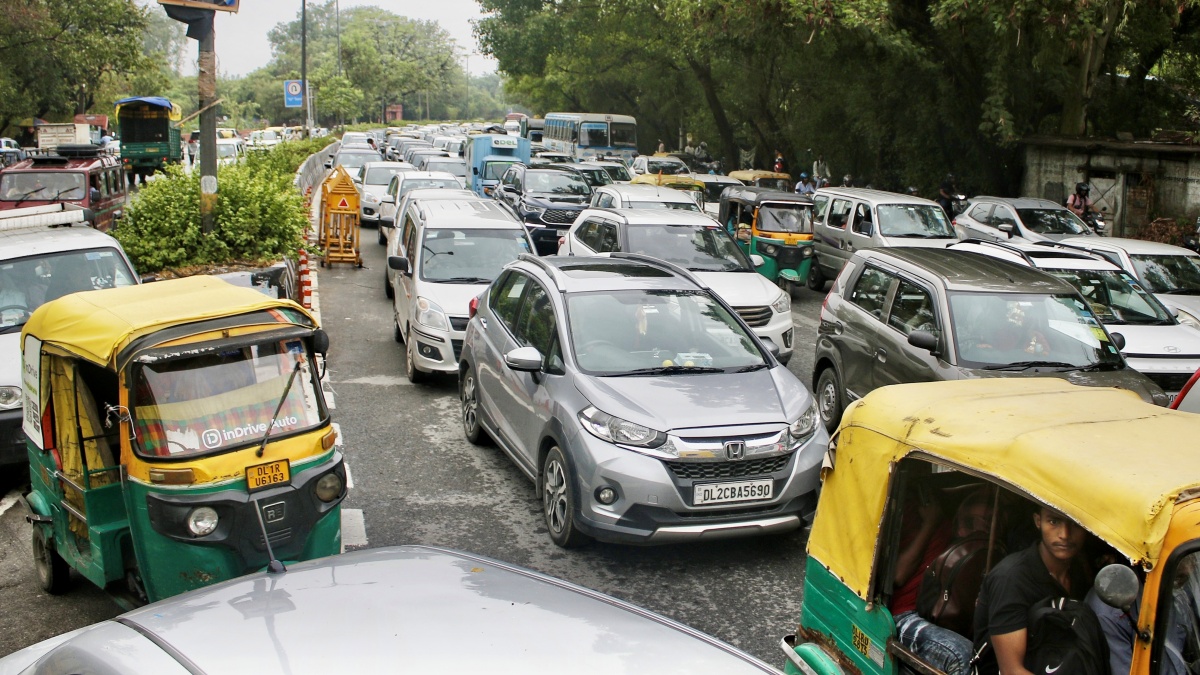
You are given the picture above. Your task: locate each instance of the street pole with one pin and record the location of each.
(207, 85)
(304, 65)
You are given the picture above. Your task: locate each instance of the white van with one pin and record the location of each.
(847, 219)
(450, 250)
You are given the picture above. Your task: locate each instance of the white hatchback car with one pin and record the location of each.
(1171, 273)
(692, 241)
(643, 197)
(1153, 342)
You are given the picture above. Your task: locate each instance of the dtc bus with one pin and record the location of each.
(591, 135)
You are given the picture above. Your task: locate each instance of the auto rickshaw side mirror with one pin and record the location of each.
(1117, 586)
(320, 342)
(923, 339)
(1118, 340)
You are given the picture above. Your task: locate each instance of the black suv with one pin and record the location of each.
(920, 315)
(547, 199)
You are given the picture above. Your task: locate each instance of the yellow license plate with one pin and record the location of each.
(262, 476)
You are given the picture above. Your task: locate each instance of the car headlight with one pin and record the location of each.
(370, 198)
(782, 304)
(430, 314)
(619, 431)
(1186, 318)
(805, 425)
(202, 521)
(10, 397)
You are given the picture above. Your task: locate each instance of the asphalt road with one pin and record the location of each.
(417, 481)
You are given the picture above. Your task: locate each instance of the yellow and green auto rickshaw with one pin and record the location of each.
(681, 182)
(775, 225)
(766, 179)
(177, 436)
(1127, 472)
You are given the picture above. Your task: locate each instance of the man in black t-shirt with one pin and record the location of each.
(1050, 568)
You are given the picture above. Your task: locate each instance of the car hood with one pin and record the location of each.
(10, 359)
(1186, 303)
(376, 191)
(741, 289)
(672, 402)
(1128, 379)
(432, 610)
(1178, 341)
(452, 298)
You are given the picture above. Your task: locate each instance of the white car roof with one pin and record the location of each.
(415, 175)
(643, 192)
(637, 217)
(874, 197)
(1036, 255)
(35, 241)
(466, 214)
(1133, 246)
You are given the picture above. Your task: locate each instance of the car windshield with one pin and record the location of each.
(469, 256)
(1052, 221)
(31, 185)
(998, 330)
(618, 172)
(916, 221)
(675, 206)
(28, 283)
(353, 160)
(494, 170)
(1178, 274)
(593, 134)
(704, 249)
(216, 401)
(667, 167)
(595, 177)
(226, 150)
(656, 332)
(624, 134)
(556, 183)
(421, 183)
(793, 219)
(775, 183)
(1116, 297)
(382, 175)
(456, 167)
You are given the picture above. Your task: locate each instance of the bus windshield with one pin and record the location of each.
(624, 135)
(593, 134)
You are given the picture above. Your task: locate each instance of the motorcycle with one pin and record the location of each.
(1095, 220)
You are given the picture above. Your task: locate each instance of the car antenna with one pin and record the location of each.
(274, 566)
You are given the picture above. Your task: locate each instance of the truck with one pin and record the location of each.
(149, 130)
(50, 136)
(489, 155)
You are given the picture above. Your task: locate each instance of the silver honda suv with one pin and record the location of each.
(640, 404)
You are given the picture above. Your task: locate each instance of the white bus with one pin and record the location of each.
(591, 135)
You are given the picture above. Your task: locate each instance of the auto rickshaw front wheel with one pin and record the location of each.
(53, 572)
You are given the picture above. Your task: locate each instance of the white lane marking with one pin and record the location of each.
(354, 529)
(330, 399)
(337, 434)
(7, 502)
(380, 381)
(349, 478)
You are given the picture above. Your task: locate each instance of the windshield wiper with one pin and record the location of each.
(463, 280)
(668, 370)
(750, 369)
(282, 399)
(25, 196)
(1101, 365)
(1026, 365)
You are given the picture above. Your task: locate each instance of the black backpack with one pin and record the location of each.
(951, 584)
(1065, 638)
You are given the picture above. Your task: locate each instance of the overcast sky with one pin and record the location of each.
(242, 38)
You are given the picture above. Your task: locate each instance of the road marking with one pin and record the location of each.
(9, 499)
(354, 529)
(349, 478)
(380, 381)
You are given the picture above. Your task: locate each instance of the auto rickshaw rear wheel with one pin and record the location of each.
(815, 282)
(54, 575)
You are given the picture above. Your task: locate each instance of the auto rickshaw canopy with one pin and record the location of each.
(752, 176)
(97, 325)
(1103, 457)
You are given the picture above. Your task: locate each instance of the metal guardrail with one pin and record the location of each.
(312, 172)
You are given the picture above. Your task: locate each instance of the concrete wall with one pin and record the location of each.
(1133, 186)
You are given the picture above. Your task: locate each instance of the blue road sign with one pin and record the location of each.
(293, 94)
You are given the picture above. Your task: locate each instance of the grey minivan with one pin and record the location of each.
(641, 405)
(849, 219)
(922, 315)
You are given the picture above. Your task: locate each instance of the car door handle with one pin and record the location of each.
(881, 354)
(483, 322)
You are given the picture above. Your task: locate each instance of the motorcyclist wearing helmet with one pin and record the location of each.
(805, 186)
(1079, 202)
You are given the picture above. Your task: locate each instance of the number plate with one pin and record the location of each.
(741, 491)
(262, 476)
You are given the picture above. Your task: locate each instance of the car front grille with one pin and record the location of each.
(755, 317)
(732, 469)
(561, 216)
(1170, 382)
(459, 323)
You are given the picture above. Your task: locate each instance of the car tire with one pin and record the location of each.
(382, 236)
(397, 334)
(558, 501)
(829, 399)
(468, 394)
(816, 282)
(387, 287)
(410, 368)
(52, 571)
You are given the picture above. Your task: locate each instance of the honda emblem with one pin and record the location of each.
(735, 449)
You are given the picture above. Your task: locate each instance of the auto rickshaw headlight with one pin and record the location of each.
(10, 397)
(202, 520)
(806, 252)
(782, 304)
(329, 487)
(804, 427)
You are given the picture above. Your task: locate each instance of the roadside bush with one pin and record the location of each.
(260, 217)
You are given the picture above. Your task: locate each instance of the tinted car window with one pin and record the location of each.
(912, 309)
(870, 291)
(1052, 221)
(820, 203)
(535, 327)
(589, 234)
(1169, 273)
(505, 299)
(980, 213)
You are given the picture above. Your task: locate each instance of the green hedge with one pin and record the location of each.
(260, 217)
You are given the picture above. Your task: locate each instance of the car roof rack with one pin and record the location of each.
(658, 262)
(999, 244)
(1072, 247)
(553, 271)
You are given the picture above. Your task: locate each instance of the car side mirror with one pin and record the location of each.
(771, 346)
(1117, 586)
(757, 260)
(320, 342)
(387, 199)
(1118, 340)
(399, 263)
(93, 195)
(328, 165)
(149, 278)
(923, 339)
(524, 359)
(1006, 228)
(475, 170)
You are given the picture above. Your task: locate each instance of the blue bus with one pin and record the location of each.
(591, 135)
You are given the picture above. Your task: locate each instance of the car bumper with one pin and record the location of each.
(781, 331)
(654, 503)
(1169, 374)
(436, 351)
(369, 214)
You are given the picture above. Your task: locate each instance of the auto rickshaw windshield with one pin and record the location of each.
(795, 219)
(213, 402)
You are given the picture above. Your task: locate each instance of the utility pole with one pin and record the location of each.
(304, 65)
(207, 85)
